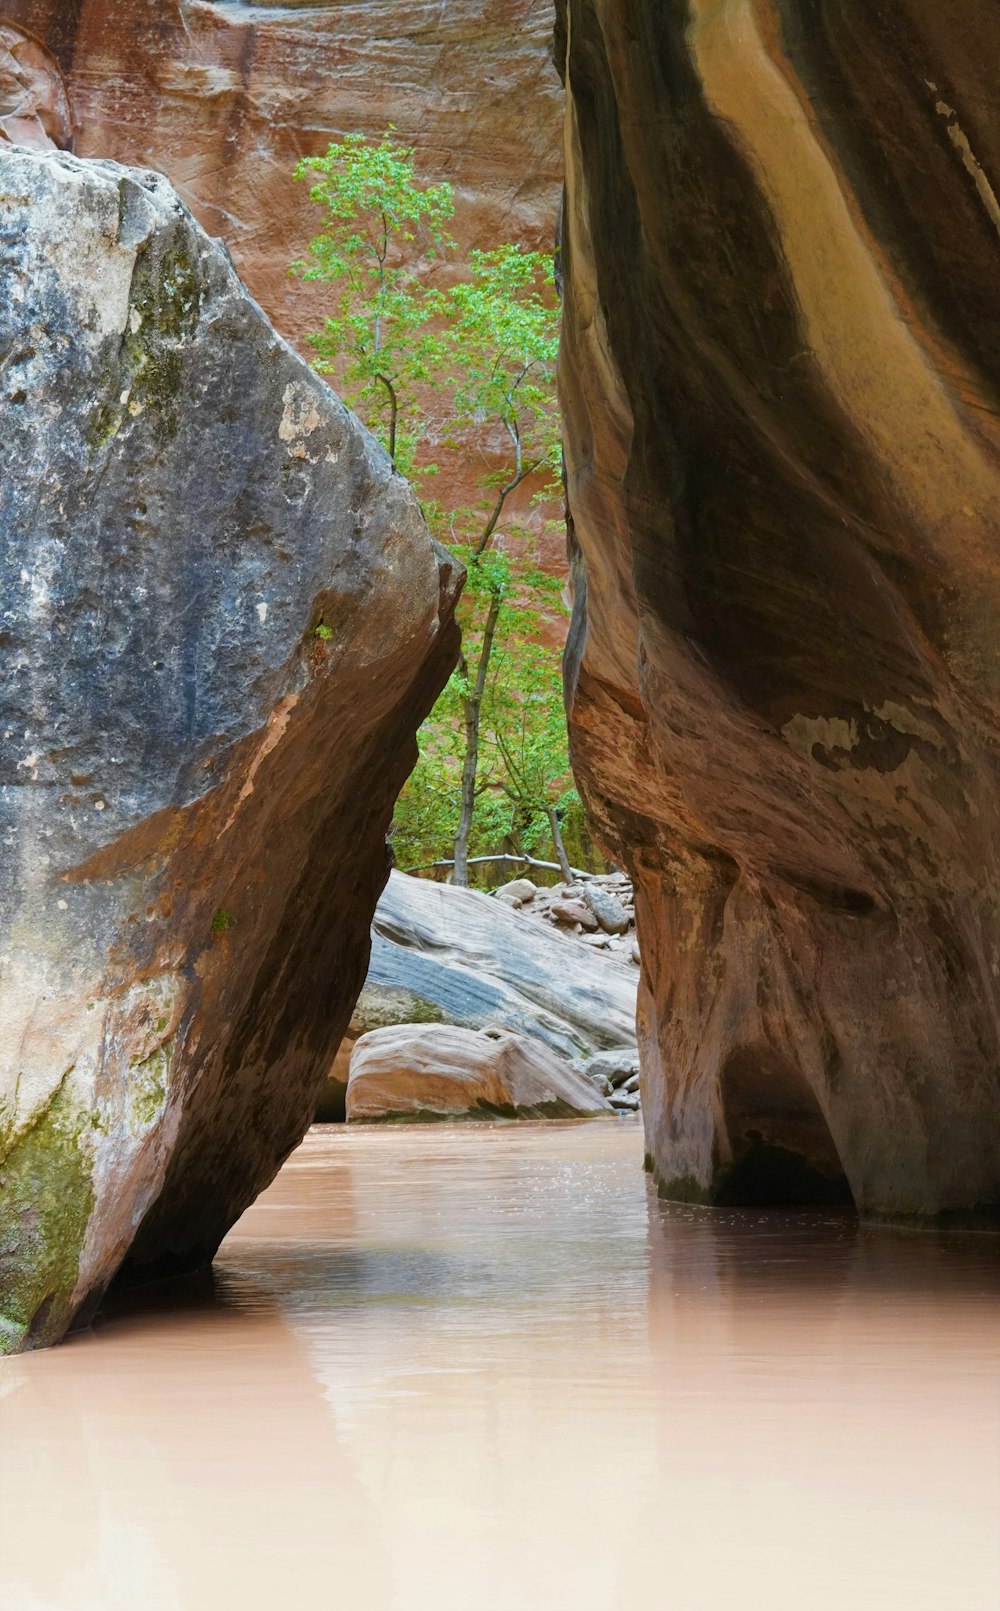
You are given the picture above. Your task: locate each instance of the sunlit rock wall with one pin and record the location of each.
(780, 383)
(221, 619)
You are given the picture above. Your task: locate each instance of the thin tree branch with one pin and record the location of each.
(522, 861)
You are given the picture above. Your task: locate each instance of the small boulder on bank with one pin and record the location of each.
(441, 1071)
(519, 890)
(617, 1066)
(606, 907)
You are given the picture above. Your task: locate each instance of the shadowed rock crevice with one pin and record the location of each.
(779, 1144)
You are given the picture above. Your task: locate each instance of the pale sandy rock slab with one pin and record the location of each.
(194, 786)
(440, 1071)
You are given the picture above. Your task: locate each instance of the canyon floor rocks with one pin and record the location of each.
(195, 783)
(441, 954)
(441, 1071)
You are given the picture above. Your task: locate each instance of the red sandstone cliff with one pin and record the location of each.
(224, 97)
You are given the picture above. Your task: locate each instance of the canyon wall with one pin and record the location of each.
(223, 620)
(780, 387)
(225, 96)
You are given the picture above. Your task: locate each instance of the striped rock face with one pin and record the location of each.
(780, 382)
(195, 781)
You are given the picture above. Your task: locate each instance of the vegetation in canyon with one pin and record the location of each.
(450, 361)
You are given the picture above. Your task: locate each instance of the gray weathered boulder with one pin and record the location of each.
(607, 908)
(446, 955)
(616, 1066)
(439, 1071)
(222, 619)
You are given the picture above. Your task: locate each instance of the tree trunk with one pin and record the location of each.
(560, 848)
(473, 707)
(390, 392)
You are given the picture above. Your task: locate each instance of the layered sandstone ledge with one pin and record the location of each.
(223, 620)
(780, 385)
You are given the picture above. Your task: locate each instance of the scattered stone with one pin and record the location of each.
(574, 912)
(616, 1066)
(606, 907)
(439, 1071)
(603, 1085)
(522, 889)
(625, 1101)
(631, 1084)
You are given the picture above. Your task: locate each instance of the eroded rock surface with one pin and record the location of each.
(446, 955)
(780, 384)
(194, 784)
(439, 1071)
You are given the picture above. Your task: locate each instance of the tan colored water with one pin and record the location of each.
(479, 1369)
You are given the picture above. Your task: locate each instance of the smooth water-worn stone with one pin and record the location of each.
(607, 908)
(222, 619)
(615, 1066)
(780, 379)
(441, 954)
(440, 1071)
(571, 912)
(520, 889)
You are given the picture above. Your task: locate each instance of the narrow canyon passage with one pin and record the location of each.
(466, 1366)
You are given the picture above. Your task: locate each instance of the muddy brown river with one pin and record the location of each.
(483, 1369)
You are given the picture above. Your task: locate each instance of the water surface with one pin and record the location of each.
(482, 1369)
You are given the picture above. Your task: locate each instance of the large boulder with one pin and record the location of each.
(781, 373)
(438, 1071)
(446, 955)
(222, 621)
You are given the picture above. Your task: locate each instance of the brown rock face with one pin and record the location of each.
(780, 383)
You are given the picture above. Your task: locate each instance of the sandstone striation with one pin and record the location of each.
(222, 621)
(780, 387)
(438, 1071)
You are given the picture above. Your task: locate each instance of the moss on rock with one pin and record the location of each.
(46, 1199)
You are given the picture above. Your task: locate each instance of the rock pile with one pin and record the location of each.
(600, 910)
(616, 1076)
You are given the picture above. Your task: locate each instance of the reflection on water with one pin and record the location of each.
(481, 1369)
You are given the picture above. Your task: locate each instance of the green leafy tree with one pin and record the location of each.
(502, 329)
(382, 232)
(493, 764)
(503, 332)
(523, 791)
